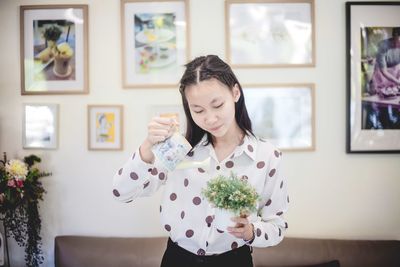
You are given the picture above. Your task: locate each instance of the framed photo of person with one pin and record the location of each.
(270, 33)
(40, 126)
(155, 42)
(282, 114)
(54, 49)
(373, 77)
(105, 127)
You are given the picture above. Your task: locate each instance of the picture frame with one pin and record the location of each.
(40, 124)
(155, 42)
(270, 33)
(373, 97)
(105, 127)
(283, 114)
(176, 111)
(54, 49)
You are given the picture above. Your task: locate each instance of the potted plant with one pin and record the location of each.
(231, 197)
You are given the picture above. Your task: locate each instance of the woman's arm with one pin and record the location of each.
(270, 225)
(139, 176)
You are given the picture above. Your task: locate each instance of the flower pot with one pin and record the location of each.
(223, 220)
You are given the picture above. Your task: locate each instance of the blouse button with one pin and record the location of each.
(218, 167)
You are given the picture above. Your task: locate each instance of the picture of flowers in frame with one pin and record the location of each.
(282, 114)
(155, 42)
(270, 33)
(373, 77)
(40, 126)
(54, 49)
(105, 126)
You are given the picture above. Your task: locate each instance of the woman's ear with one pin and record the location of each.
(236, 92)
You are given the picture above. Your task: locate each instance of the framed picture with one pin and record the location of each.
(54, 49)
(40, 126)
(170, 111)
(373, 77)
(282, 114)
(105, 127)
(155, 42)
(270, 33)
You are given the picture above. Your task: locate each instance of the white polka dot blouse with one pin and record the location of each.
(188, 217)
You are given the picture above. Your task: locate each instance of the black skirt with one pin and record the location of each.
(175, 256)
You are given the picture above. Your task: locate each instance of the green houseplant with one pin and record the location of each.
(231, 197)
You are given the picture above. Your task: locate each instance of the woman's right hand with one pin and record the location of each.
(158, 129)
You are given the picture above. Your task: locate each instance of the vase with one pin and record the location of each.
(222, 219)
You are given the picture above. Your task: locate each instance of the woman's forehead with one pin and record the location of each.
(208, 91)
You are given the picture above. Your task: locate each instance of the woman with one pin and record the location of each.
(387, 69)
(218, 127)
(385, 82)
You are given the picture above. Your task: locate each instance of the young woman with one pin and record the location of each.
(218, 127)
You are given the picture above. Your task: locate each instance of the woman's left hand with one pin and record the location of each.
(243, 228)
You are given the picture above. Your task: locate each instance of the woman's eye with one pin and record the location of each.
(219, 105)
(197, 111)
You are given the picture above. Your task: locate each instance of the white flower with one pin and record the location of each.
(17, 169)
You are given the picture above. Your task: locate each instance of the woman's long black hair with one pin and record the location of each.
(206, 68)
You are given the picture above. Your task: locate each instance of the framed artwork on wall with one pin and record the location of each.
(40, 126)
(373, 77)
(270, 33)
(105, 127)
(169, 111)
(282, 114)
(54, 49)
(155, 42)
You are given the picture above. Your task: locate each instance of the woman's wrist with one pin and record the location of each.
(249, 236)
(145, 152)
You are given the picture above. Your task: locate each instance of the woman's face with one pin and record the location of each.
(212, 106)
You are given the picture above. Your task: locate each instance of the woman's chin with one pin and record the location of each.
(218, 133)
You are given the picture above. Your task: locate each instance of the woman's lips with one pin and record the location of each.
(215, 128)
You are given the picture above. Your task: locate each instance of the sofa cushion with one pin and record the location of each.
(84, 251)
(87, 251)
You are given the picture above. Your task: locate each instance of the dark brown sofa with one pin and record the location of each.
(84, 251)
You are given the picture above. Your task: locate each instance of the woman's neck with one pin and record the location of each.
(233, 136)
(225, 145)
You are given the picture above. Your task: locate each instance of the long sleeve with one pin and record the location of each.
(137, 178)
(270, 225)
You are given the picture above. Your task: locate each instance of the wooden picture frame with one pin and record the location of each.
(40, 124)
(54, 49)
(155, 42)
(270, 33)
(283, 114)
(105, 127)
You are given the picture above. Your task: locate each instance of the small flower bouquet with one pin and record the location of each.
(20, 192)
(232, 197)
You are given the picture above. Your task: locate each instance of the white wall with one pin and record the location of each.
(333, 194)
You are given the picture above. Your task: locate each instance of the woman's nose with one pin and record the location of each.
(211, 118)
